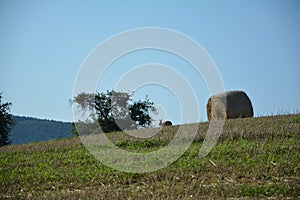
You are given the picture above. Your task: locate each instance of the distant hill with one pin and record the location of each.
(28, 129)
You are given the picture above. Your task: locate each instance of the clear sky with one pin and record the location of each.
(255, 45)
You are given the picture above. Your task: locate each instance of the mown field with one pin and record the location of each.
(255, 158)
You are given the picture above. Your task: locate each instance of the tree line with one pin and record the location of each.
(112, 110)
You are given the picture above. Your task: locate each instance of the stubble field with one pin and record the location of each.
(254, 158)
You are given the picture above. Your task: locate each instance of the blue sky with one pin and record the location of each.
(255, 45)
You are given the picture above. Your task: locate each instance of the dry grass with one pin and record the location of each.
(254, 158)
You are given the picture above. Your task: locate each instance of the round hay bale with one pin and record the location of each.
(165, 123)
(229, 105)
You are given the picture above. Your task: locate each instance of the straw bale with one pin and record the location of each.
(229, 105)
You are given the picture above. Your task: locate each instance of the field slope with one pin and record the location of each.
(254, 158)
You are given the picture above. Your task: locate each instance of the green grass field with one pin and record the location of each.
(255, 158)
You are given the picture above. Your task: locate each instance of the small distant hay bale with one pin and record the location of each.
(229, 105)
(165, 123)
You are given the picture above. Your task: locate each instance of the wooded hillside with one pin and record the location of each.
(28, 129)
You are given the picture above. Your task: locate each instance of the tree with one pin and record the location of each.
(116, 111)
(73, 129)
(6, 122)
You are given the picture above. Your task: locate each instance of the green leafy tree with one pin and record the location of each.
(6, 122)
(73, 129)
(116, 111)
